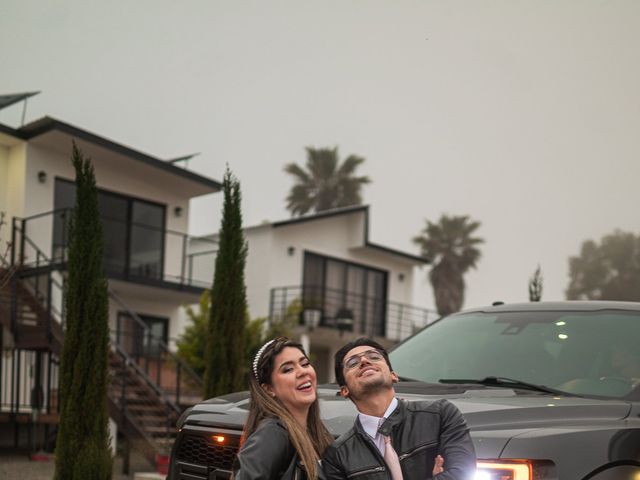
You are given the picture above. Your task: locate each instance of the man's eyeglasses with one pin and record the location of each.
(354, 360)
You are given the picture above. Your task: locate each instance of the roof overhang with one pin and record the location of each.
(57, 135)
(366, 244)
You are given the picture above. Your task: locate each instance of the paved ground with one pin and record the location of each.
(19, 467)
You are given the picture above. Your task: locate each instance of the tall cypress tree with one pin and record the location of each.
(224, 356)
(83, 450)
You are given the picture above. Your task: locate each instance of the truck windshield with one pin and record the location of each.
(584, 353)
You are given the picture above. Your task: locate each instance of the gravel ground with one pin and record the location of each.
(19, 467)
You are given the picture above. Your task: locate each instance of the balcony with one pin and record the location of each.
(133, 251)
(345, 311)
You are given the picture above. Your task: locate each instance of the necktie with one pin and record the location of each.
(391, 459)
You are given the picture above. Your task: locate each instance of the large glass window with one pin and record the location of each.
(340, 288)
(133, 231)
(114, 211)
(146, 240)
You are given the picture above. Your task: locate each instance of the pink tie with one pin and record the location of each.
(391, 458)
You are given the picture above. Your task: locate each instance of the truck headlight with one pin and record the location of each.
(504, 470)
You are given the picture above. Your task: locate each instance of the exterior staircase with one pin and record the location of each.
(145, 397)
(142, 411)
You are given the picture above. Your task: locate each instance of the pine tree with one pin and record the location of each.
(83, 450)
(224, 356)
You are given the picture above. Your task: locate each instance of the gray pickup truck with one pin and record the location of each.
(549, 391)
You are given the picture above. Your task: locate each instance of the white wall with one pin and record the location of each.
(259, 269)
(16, 172)
(270, 265)
(4, 176)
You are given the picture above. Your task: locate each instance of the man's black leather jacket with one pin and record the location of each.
(419, 431)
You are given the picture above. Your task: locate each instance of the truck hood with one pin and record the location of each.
(494, 415)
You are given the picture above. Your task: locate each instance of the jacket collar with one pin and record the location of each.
(391, 421)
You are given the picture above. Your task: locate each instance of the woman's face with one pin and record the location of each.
(293, 380)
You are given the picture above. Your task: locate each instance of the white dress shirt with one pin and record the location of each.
(371, 424)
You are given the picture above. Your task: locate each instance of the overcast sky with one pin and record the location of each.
(524, 115)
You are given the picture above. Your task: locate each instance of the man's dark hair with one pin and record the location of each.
(340, 354)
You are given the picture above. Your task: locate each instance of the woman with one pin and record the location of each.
(284, 437)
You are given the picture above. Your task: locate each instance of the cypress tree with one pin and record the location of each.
(224, 355)
(83, 450)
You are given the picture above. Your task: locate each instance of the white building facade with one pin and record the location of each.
(324, 270)
(144, 208)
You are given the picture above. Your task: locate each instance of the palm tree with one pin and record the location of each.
(325, 184)
(452, 250)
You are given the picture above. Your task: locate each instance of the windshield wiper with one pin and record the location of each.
(507, 382)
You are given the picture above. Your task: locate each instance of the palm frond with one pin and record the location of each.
(324, 183)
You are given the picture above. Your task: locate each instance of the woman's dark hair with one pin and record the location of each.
(359, 342)
(310, 443)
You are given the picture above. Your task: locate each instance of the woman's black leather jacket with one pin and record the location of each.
(268, 454)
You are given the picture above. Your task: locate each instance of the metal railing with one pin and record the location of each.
(344, 310)
(178, 383)
(132, 251)
(148, 391)
(41, 278)
(173, 377)
(28, 381)
(141, 402)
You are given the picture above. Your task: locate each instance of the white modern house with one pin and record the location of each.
(324, 271)
(144, 203)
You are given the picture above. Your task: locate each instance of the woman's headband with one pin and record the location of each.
(256, 360)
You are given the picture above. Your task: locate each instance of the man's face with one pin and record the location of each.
(366, 375)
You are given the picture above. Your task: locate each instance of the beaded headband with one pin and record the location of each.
(257, 358)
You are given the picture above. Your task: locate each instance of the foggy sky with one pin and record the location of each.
(524, 115)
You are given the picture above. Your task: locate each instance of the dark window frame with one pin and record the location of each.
(345, 292)
(137, 343)
(129, 199)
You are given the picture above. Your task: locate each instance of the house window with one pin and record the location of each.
(133, 232)
(335, 286)
(138, 341)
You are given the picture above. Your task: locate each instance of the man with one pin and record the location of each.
(391, 438)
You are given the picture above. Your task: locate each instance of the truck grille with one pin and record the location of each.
(200, 451)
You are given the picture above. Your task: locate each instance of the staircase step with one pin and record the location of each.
(158, 430)
(147, 408)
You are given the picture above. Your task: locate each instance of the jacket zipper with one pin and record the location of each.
(364, 472)
(376, 452)
(416, 450)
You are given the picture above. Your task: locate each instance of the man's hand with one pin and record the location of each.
(438, 466)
